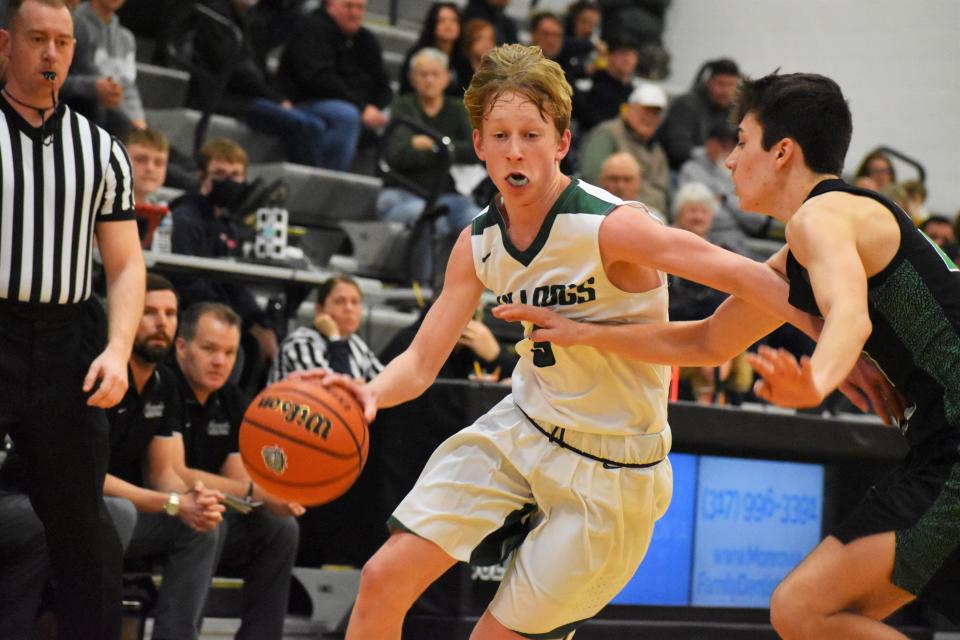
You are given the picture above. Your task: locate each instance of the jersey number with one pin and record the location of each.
(543, 354)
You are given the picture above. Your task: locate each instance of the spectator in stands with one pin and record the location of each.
(633, 132)
(878, 168)
(26, 566)
(640, 20)
(580, 42)
(939, 229)
(693, 114)
(546, 32)
(478, 38)
(103, 77)
(149, 154)
(494, 12)
(731, 227)
(332, 342)
(916, 193)
(333, 67)
(478, 354)
(309, 137)
(694, 209)
(415, 157)
(260, 544)
(202, 226)
(441, 30)
(609, 87)
(622, 176)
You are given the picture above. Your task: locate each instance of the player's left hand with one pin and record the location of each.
(110, 368)
(549, 326)
(783, 380)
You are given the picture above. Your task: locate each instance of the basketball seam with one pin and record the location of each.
(359, 444)
(280, 434)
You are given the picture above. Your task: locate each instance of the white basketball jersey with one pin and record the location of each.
(579, 387)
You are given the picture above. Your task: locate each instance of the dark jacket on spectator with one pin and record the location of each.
(214, 48)
(602, 102)
(503, 24)
(198, 231)
(320, 62)
(421, 166)
(686, 124)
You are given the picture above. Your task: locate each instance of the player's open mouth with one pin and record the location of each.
(517, 179)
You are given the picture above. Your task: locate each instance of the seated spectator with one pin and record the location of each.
(332, 342)
(102, 83)
(609, 87)
(622, 176)
(478, 355)
(875, 171)
(731, 226)
(24, 561)
(309, 137)
(478, 38)
(333, 68)
(916, 193)
(203, 226)
(546, 32)
(633, 132)
(149, 154)
(260, 545)
(639, 20)
(441, 30)
(413, 156)
(493, 11)
(693, 114)
(693, 210)
(940, 230)
(580, 42)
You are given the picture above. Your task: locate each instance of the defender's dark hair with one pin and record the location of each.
(806, 107)
(191, 317)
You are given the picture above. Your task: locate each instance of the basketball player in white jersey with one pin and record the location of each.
(572, 466)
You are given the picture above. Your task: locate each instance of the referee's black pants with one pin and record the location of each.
(63, 445)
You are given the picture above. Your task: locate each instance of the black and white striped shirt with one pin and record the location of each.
(51, 198)
(306, 348)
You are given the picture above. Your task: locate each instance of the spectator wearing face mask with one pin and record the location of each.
(203, 226)
(731, 226)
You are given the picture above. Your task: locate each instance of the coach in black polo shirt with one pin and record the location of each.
(261, 545)
(62, 181)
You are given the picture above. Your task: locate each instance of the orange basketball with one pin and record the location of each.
(303, 442)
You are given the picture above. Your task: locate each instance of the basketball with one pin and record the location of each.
(303, 442)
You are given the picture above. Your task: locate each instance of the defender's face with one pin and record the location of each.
(521, 148)
(751, 167)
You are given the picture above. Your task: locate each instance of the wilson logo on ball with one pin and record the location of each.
(300, 414)
(275, 459)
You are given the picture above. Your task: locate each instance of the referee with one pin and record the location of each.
(62, 181)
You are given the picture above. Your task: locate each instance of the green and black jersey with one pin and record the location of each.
(914, 305)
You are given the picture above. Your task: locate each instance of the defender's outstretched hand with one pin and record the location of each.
(549, 326)
(866, 387)
(783, 380)
(357, 389)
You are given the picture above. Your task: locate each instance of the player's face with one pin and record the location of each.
(149, 168)
(521, 149)
(207, 360)
(344, 306)
(158, 326)
(40, 40)
(752, 167)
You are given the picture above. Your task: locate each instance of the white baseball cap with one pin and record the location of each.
(648, 94)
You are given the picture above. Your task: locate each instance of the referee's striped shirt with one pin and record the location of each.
(306, 348)
(51, 198)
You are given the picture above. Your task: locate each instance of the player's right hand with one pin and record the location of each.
(549, 326)
(363, 394)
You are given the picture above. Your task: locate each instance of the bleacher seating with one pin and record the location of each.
(162, 87)
(321, 195)
(179, 125)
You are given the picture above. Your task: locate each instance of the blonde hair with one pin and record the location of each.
(523, 70)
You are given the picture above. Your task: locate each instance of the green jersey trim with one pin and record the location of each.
(572, 200)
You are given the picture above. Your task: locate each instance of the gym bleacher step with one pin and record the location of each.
(321, 195)
(162, 87)
(179, 126)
